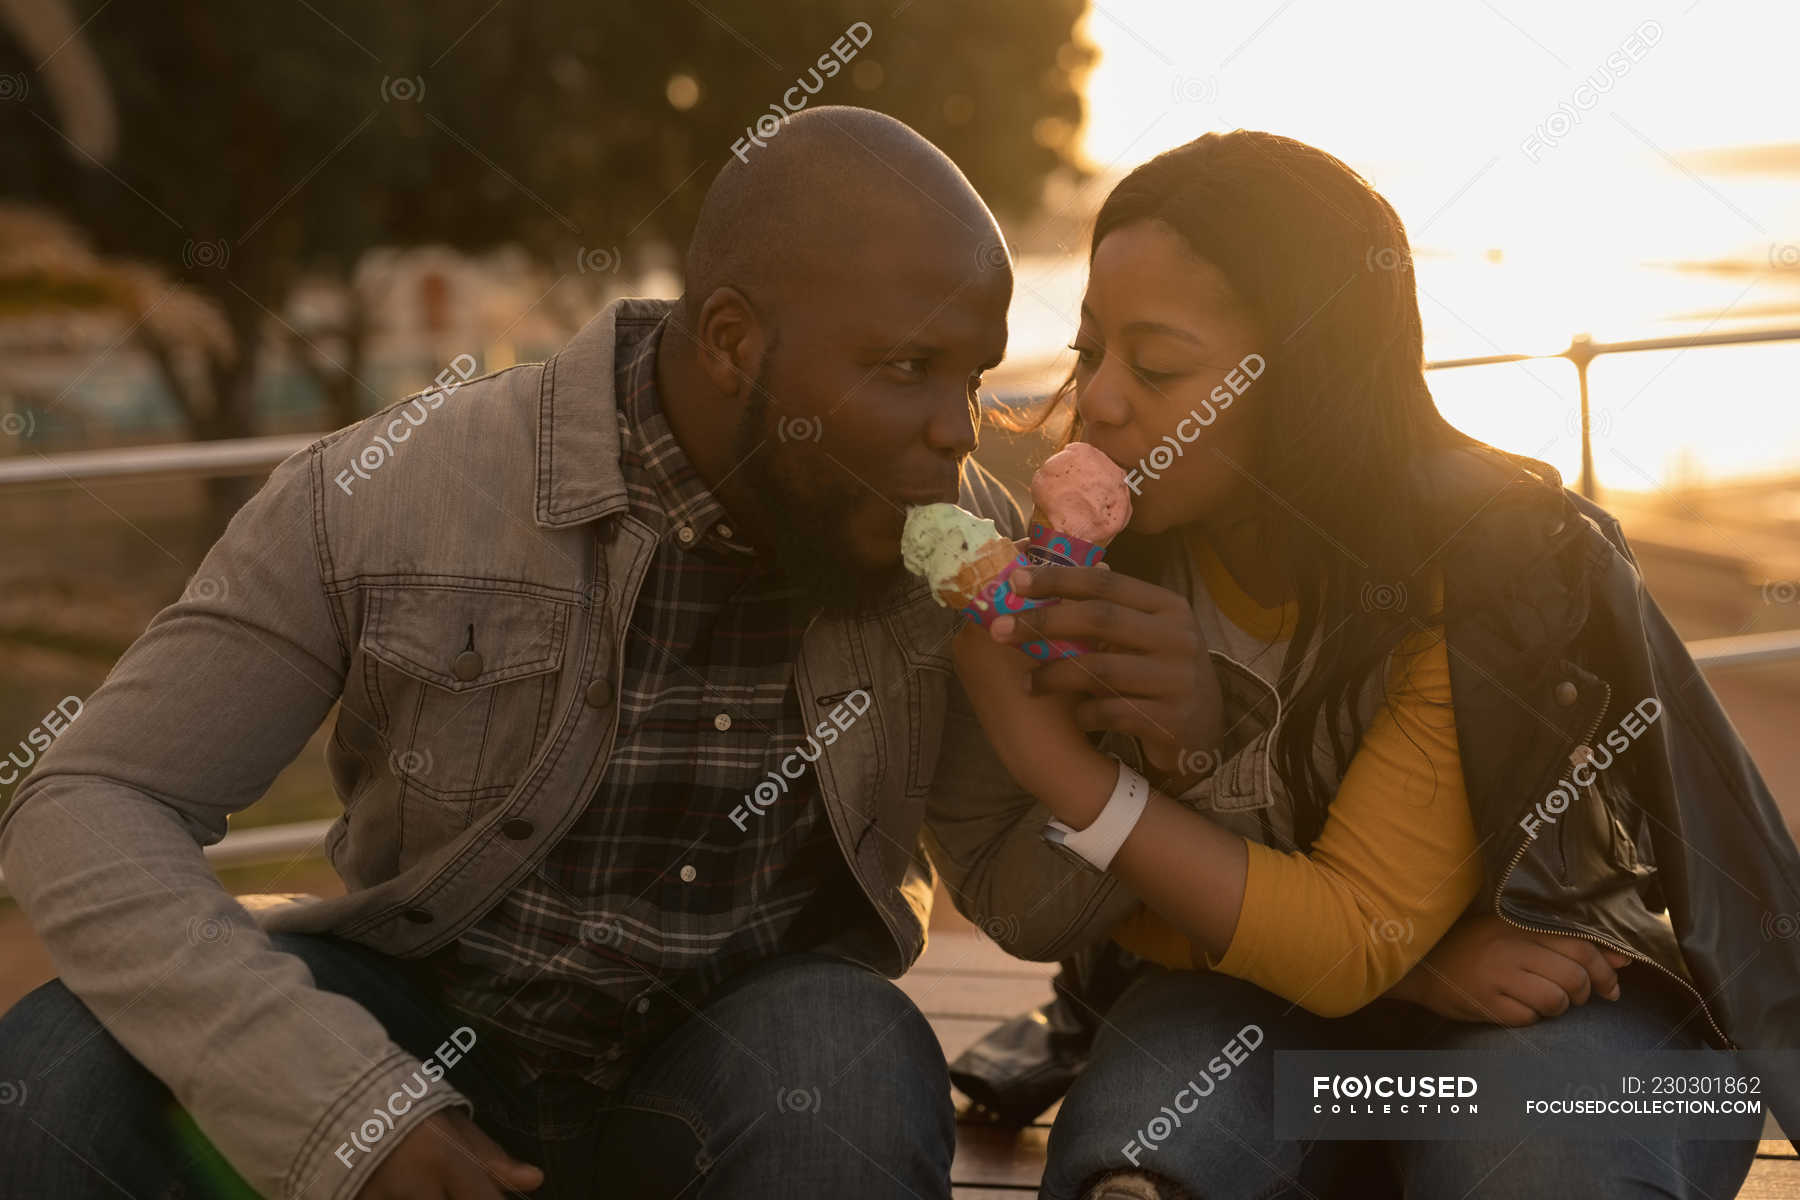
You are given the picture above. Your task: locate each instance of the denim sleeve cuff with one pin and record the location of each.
(364, 1126)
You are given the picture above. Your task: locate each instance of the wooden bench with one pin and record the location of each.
(966, 985)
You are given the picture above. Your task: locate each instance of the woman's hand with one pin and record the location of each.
(1486, 970)
(1150, 677)
(1035, 735)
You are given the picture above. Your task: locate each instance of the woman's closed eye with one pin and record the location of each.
(1154, 377)
(1087, 358)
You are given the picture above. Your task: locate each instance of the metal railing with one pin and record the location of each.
(248, 456)
(234, 456)
(1583, 350)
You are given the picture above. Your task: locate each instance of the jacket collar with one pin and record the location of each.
(578, 476)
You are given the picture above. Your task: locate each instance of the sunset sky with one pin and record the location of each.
(1433, 101)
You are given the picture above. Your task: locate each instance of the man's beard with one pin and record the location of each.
(805, 516)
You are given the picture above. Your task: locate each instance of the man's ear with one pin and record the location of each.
(732, 341)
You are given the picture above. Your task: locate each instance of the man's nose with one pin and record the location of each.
(954, 423)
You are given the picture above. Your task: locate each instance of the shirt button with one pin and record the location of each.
(1565, 693)
(685, 535)
(688, 873)
(613, 1051)
(722, 722)
(724, 531)
(599, 693)
(643, 1004)
(466, 665)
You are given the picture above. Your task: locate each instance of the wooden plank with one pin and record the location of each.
(956, 1033)
(1771, 1179)
(956, 952)
(999, 1158)
(993, 998)
(1046, 1119)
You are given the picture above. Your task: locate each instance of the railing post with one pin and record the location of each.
(1581, 353)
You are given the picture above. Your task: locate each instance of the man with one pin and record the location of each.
(637, 717)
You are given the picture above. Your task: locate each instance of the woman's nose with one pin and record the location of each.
(1100, 401)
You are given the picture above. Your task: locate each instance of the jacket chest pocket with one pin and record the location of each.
(462, 682)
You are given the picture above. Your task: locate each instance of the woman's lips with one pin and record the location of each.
(1124, 464)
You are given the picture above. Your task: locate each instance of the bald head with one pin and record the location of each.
(846, 289)
(828, 185)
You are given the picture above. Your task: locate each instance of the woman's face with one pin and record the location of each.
(1165, 375)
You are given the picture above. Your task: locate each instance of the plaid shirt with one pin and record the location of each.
(655, 896)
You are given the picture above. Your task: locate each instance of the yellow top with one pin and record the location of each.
(1393, 868)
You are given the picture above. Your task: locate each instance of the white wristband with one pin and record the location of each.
(1102, 839)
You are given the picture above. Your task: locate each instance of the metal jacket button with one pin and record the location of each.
(1565, 693)
(599, 694)
(466, 665)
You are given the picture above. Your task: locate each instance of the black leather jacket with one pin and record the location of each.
(1554, 643)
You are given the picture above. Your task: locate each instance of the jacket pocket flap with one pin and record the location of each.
(464, 638)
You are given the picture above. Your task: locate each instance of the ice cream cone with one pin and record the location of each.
(975, 580)
(1049, 546)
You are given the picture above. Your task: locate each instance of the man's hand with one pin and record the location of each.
(1486, 970)
(448, 1157)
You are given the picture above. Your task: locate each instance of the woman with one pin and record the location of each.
(1311, 546)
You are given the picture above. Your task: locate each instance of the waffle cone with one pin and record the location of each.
(977, 574)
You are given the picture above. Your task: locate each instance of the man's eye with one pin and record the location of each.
(913, 368)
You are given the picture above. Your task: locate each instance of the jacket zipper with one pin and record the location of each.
(1609, 944)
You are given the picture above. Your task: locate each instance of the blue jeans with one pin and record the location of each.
(809, 1076)
(1168, 1023)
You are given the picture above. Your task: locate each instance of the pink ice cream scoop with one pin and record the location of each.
(1081, 492)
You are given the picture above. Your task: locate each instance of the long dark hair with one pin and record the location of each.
(1321, 261)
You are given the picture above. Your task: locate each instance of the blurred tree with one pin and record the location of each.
(260, 147)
